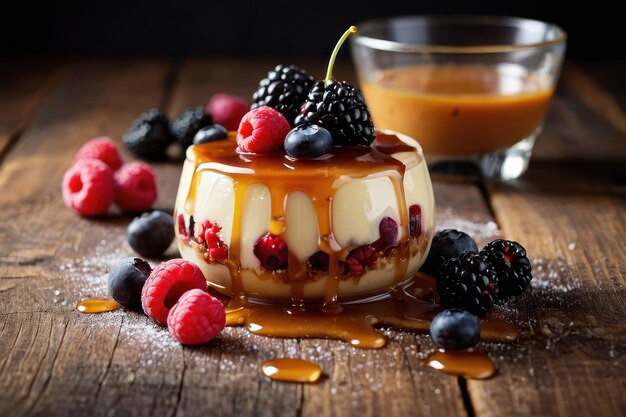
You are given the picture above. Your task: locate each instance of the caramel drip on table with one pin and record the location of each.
(467, 363)
(291, 370)
(97, 305)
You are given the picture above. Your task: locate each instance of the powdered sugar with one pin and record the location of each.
(478, 228)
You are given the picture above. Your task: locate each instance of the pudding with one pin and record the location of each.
(350, 224)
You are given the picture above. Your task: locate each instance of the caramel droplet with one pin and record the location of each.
(291, 370)
(468, 363)
(97, 305)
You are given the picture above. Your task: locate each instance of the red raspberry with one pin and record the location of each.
(262, 130)
(103, 149)
(88, 187)
(227, 110)
(135, 187)
(361, 258)
(272, 252)
(388, 229)
(196, 318)
(415, 220)
(166, 284)
(208, 234)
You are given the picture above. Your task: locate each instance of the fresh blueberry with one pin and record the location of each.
(210, 134)
(455, 329)
(151, 233)
(447, 244)
(126, 281)
(308, 140)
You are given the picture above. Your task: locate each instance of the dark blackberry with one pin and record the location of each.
(149, 135)
(511, 265)
(188, 123)
(447, 244)
(468, 283)
(338, 107)
(285, 88)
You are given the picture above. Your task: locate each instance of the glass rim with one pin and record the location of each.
(361, 37)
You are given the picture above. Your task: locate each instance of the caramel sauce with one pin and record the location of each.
(97, 305)
(291, 370)
(468, 363)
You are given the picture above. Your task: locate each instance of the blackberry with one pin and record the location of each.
(468, 283)
(285, 88)
(447, 244)
(511, 265)
(149, 135)
(188, 123)
(340, 108)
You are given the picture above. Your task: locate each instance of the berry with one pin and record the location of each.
(187, 124)
(103, 149)
(455, 330)
(166, 284)
(207, 234)
(210, 134)
(361, 258)
(89, 187)
(468, 283)
(388, 229)
(227, 110)
(308, 140)
(511, 264)
(262, 130)
(447, 244)
(135, 187)
(415, 220)
(126, 281)
(149, 136)
(318, 262)
(151, 233)
(196, 318)
(271, 250)
(285, 88)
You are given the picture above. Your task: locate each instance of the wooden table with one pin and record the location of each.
(569, 212)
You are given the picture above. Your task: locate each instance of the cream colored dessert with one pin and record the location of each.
(327, 208)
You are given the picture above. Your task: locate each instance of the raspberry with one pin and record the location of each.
(89, 187)
(227, 110)
(262, 130)
(318, 262)
(388, 229)
(271, 250)
(196, 318)
(415, 220)
(166, 284)
(135, 187)
(360, 259)
(208, 235)
(103, 149)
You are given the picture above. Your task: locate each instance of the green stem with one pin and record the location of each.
(333, 56)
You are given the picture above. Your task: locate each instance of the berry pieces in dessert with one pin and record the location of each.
(103, 149)
(149, 136)
(166, 284)
(151, 233)
(262, 130)
(415, 220)
(308, 140)
(447, 244)
(468, 282)
(126, 280)
(210, 134)
(360, 259)
(227, 110)
(188, 123)
(272, 251)
(509, 260)
(207, 234)
(135, 187)
(455, 330)
(389, 233)
(196, 318)
(285, 88)
(89, 187)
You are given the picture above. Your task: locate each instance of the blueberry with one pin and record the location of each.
(447, 244)
(455, 329)
(126, 281)
(308, 140)
(151, 233)
(210, 134)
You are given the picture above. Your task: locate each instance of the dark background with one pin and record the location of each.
(252, 28)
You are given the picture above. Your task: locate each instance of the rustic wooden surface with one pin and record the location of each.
(569, 211)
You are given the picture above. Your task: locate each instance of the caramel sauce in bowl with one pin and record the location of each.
(324, 208)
